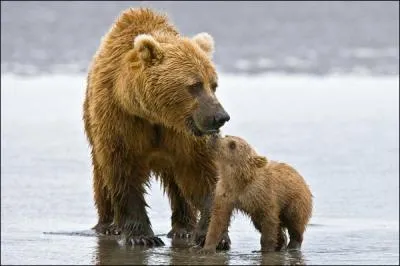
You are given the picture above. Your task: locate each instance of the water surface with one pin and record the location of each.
(341, 133)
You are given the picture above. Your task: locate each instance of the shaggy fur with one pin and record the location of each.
(150, 107)
(273, 194)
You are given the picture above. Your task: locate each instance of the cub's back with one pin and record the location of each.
(287, 183)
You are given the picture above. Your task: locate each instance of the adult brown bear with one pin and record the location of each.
(150, 106)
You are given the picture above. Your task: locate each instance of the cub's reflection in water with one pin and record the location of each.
(177, 252)
(282, 258)
(180, 254)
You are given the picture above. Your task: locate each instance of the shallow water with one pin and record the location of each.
(340, 132)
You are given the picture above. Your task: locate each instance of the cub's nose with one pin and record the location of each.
(220, 118)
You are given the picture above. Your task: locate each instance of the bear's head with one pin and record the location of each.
(178, 81)
(237, 154)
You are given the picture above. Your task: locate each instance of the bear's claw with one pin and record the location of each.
(113, 230)
(107, 229)
(179, 233)
(148, 241)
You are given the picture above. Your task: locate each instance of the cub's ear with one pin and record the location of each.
(149, 50)
(258, 161)
(205, 41)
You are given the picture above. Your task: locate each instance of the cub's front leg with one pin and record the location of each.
(222, 208)
(197, 182)
(203, 225)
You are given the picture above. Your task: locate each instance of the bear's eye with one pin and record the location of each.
(196, 88)
(232, 145)
(214, 87)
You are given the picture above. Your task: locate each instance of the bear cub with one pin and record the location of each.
(273, 194)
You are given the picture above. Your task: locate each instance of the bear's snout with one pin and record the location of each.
(220, 119)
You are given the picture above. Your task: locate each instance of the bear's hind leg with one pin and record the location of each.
(103, 204)
(183, 219)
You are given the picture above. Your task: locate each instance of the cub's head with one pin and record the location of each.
(179, 79)
(236, 153)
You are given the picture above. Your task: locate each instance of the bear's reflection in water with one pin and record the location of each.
(109, 252)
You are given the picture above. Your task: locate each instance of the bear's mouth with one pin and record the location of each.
(191, 124)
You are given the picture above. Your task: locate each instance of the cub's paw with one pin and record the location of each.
(199, 238)
(224, 244)
(180, 232)
(206, 251)
(148, 241)
(201, 250)
(195, 249)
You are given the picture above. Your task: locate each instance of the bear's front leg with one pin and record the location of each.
(183, 218)
(132, 218)
(103, 204)
(126, 179)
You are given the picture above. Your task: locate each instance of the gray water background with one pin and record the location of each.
(328, 104)
(288, 37)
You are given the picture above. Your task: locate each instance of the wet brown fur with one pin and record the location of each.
(134, 115)
(273, 194)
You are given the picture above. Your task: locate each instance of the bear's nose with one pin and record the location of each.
(220, 118)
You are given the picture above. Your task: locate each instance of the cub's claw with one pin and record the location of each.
(199, 240)
(224, 244)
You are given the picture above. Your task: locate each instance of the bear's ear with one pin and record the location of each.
(259, 161)
(205, 41)
(149, 50)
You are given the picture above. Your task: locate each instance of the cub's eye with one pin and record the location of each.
(232, 145)
(196, 88)
(214, 87)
